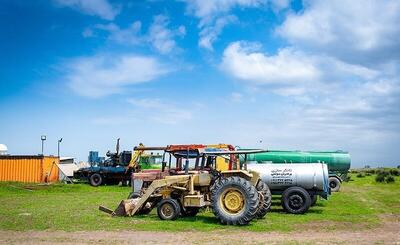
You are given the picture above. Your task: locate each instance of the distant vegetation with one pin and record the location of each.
(383, 175)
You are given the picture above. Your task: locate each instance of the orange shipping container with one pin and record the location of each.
(33, 169)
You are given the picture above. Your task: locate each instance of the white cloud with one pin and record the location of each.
(129, 36)
(103, 75)
(159, 35)
(357, 31)
(209, 34)
(290, 71)
(101, 8)
(214, 15)
(244, 61)
(161, 111)
(207, 10)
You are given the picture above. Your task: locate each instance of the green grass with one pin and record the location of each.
(361, 204)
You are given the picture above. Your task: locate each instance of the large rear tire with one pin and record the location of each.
(296, 200)
(334, 184)
(95, 179)
(265, 200)
(234, 200)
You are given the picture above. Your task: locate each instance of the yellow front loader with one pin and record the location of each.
(236, 196)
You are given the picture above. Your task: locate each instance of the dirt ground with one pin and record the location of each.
(389, 233)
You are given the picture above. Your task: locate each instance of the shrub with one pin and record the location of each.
(370, 171)
(389, 179)
(382, 172)
(380, 178)
(360, 175)
(367, 174)
(394, 172)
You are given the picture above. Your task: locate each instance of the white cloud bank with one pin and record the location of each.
(102, 75)
(358, 31)
(290, 67)
(243, 60)
(328, 80)
(339, 77)
(100, 8)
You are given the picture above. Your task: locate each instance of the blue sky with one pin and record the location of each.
(277, 74)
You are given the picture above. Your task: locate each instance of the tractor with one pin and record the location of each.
(235, 195)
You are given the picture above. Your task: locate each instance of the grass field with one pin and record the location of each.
(361, 204)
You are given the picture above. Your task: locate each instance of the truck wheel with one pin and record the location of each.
(234, 200)
(334, 184)
(168, 209)
(265, 200)
(95, 179)
(296, 200)
(314, 199)
(190, 211)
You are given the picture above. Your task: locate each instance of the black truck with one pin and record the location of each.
(112, 171)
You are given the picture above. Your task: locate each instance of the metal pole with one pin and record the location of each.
(43, 138)
(58, 147)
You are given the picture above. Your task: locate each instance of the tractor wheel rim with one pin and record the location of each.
(167, 210)
(332, 184)
(296, 201)
(232, 201)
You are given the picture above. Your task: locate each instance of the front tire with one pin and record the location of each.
(95, 180)
(168, 209)
(234, 200)
(296, 200)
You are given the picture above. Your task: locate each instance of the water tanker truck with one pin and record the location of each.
(299, 184)
(338, 162)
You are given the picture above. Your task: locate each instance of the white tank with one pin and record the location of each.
(312, 176)
(3, 149)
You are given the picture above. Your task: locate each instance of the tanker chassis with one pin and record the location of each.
(338, 162)
(298, 184)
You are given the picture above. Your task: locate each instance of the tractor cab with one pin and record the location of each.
(189, 159)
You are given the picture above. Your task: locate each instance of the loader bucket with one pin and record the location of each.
(124, 208)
